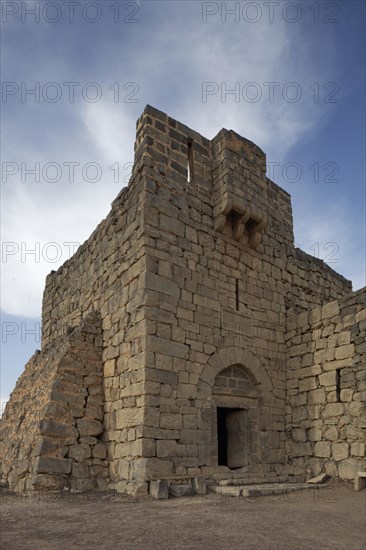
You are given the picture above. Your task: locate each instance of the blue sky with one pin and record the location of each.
(297, 71)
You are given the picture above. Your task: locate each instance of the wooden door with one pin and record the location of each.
(237, 438)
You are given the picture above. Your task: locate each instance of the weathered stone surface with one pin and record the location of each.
(301, 449)
(348, 468)
(307, 384)
(82, 484)
(109, 368)
(55, 429)
(331, 433)
(151, 468)
(89, 426)
(80, 470)
(100, 451)
(171, 421)
(159, 489)
(299, 435)
(318, 479)
(317, 396)
(333, 409)
(357, 409)
(359, 481)
(159, 284)
(50, 465)
(340, 451)
(327, 379)
(139, 489)
(48, 432)
(79, 452)
(167, 347)
(331, 468)
(46, 445)
(45, 482)
(180, 490)
(322, 449)
(199, 486)
(129, 417)
(190, 305)
(344, 352)
(22, 467)
(330, 310)
(358, 449)
(315, 434)
(166, 448)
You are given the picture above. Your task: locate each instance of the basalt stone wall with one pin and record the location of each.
(102, 275)
(326, 388)
(105, 275)
(313, 282)
(52, 428)
(216, 283)
(205, 301)
(193, 271)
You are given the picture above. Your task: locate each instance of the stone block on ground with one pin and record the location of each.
(180, 490)
(318, 479)
(159, 489)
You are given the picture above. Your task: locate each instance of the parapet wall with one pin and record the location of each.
(326, 388)
(313, 282)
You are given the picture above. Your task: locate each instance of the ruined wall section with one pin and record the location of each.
(326, 388)
(19, 424)
(52, 430)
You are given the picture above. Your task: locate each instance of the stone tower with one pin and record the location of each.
(188, 338)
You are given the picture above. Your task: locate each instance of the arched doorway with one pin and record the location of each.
(235, 398)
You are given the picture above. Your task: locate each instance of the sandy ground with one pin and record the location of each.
(331, 518)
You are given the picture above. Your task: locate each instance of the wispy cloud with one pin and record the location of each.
(169, 55)
(111, 129)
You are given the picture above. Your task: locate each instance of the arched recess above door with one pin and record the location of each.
(236, 380)
(229, 357)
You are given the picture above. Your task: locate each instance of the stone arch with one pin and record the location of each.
(227, 357)
(236, 380)
(235, 417)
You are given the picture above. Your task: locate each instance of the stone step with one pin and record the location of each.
(236, 475)
(262, 489)
(360, 481)
(253, 480)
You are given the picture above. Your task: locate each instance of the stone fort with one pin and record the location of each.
(188, 341)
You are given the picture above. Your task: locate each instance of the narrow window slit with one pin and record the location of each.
(338, 384)
(190, 160)
(237, 294)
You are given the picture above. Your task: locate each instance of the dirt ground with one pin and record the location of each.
(329, 518)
